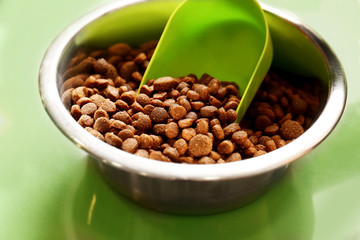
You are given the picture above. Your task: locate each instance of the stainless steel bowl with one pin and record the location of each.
(181, 188)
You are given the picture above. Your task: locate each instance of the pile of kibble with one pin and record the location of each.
(181, 119)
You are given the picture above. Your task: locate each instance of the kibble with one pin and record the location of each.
(159, 115)
(130, 145)
(291, 129)
(113, 140)
(187, 120)
(200, 145)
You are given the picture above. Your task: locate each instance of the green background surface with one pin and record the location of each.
(50, 190)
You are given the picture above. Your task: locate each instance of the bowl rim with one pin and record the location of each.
(112, 156)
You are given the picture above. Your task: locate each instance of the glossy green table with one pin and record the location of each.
(50, 190)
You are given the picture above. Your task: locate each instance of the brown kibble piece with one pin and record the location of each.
(288, 116)
(136, 107)
(84, 66)
(82, 101)
(102, 125)
(97, 99)
(142, 153)
(113, 140)
(121, 105)
(148, 109)
(204, 93)
(226, 147)
(66, 98)
(231, 115)
(259, 153)
(239, 137)
(254, 139)
(77, 59)
(214, 122)
(130, 145)
(157, 141)
(301, 120)
(181, 146)
(262, 122)
(172, 130)
(159, 115)
(160, 96)
(122, 116)
(128, 97)
(279, 112)
(143, 122)
(264, 139)
(106, 69)
(234, 157)
(192, 95)
(215, 102)
(189, 160)
(127, 69)
(93, 82)
(125, 134)
(298, 106)
(270, 145)
(148, 45)
(111, 92)
(197, 105)
(147, 90)
(202, 127)
(164, 84)
(260, 147)
(74, 82)
(188, 133)
(108, 106)
(231, 128)
(231, 105)
(214, 86)
(171, 153)
(174, 94)
(271, 130)
(157, 155)
(291, 130)
(218, 132)
(208, 111)
(159, 129)
(76, 112)
(118, 125)
(185, 123)
(157, 103)
(86, 121)
(140, 58)
(200, 145)
(177, 112)
(145, 141)
(78, 93)
(192, 115)
(143, 99)
(88, 109)
(267, 112)
(206, 160)
(214, 155)
(120, 49)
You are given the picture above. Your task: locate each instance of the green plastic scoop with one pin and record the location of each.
(228, 39)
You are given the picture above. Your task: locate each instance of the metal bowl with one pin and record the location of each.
(181, 188)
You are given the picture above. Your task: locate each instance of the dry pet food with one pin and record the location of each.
(187, 119)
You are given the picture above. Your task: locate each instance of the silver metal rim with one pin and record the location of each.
(119, 159)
